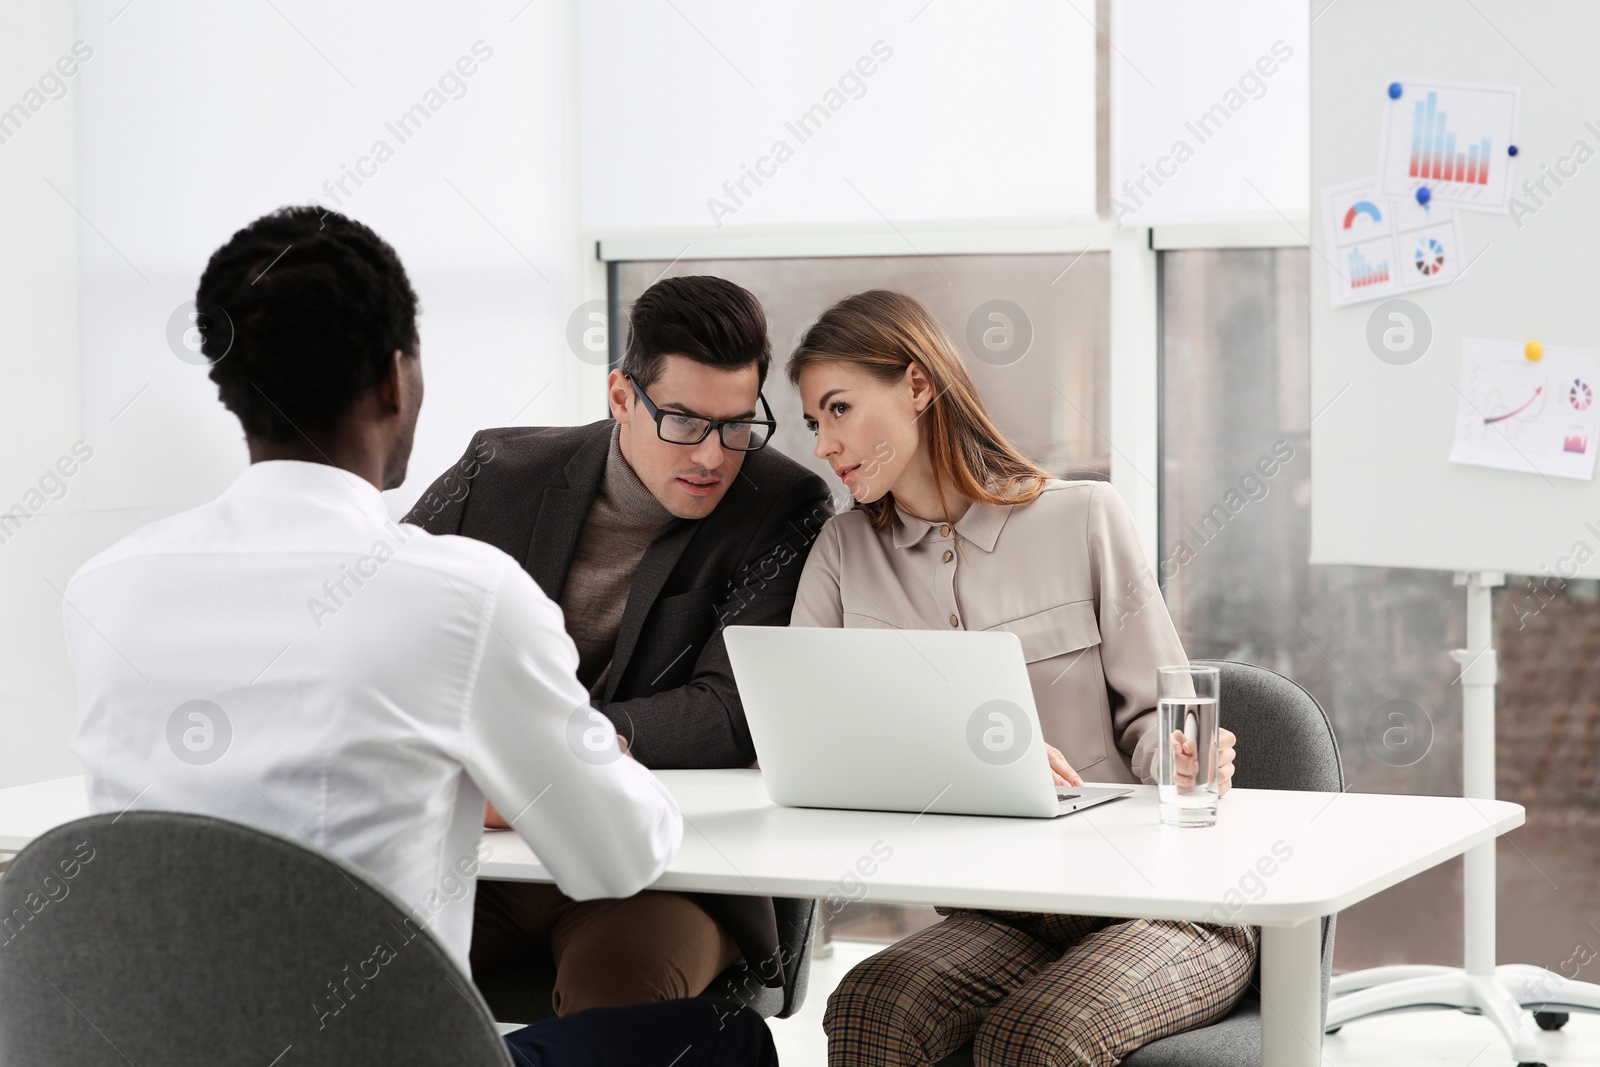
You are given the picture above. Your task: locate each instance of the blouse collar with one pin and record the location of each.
(979, 526)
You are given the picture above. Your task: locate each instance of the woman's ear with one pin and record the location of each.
(916, 379)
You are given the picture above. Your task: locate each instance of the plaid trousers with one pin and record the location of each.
(1028, 989)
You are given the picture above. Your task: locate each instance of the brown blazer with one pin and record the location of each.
(1065, 573)
(670, 689)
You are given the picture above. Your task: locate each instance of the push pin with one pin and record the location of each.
(1394, 90)
(1424, 194)
(1534, 351)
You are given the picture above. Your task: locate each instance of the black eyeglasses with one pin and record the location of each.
(737, 435)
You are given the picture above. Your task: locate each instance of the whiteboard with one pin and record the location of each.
(1383, 490)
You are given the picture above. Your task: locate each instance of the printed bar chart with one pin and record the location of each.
(1455, 139)
(1363, 274)
(1433, 148)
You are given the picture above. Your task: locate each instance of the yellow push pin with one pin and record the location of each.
(1534, 351)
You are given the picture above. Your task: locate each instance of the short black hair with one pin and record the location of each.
(710, 320)
(300, 313)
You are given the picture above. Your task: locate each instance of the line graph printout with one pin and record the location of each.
(1516, 414)
(1379, 247)
(1453, 137)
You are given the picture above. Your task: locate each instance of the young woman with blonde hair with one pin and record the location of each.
(954, 528)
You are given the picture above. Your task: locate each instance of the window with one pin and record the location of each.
(1043, 372)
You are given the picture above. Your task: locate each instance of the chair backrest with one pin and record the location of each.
(158, 937)
(1285, 739)
(521, 992)
(1285, 742)
(797, 930)
(797, 927)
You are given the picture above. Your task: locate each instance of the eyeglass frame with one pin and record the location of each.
(711, 424)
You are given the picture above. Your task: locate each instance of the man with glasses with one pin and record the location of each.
(652, 529)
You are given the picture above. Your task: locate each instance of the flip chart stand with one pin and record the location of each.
(1502, 993)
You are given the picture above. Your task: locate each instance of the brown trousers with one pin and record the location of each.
(636, 950)
(1035, 990)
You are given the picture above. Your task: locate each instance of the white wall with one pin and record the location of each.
(40, 413)
(971, 111)
(1245, 62)
(198, 117)
(983, 114)
(189, 120)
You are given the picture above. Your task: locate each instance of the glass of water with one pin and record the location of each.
(1186, 705)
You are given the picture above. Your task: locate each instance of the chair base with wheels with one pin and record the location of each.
(1513, 989)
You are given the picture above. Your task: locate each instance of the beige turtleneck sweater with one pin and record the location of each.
(624, 518)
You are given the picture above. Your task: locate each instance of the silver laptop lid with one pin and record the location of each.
(893, 720)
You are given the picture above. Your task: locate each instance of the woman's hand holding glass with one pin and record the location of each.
(1185, 763)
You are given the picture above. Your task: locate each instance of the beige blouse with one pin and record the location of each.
(1065, 573)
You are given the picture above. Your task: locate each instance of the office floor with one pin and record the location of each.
(1419, 1039)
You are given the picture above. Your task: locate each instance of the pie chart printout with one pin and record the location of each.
(1387, 247)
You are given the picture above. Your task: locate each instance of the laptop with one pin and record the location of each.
(899, 720)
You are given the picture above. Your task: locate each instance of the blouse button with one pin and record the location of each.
(954, 621)
(944, 531)
(949, 555)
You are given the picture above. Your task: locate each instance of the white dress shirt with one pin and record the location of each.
(286, 656)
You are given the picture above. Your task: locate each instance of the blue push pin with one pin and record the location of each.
(1394, 90)
(1424, 195)
(1511, 150)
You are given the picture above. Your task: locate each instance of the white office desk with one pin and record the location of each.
(1114, 859)
(26, 811)
(1110, 860)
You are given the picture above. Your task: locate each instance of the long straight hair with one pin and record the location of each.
(883, 332)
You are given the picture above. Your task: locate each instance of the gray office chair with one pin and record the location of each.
(1285, 742)
(155, 937)
(521, 994)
